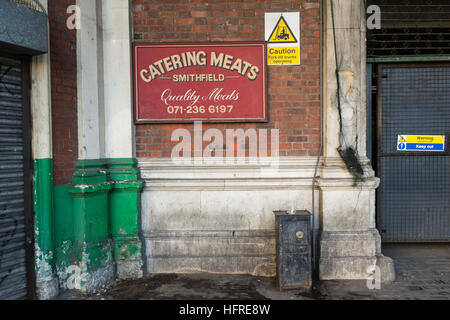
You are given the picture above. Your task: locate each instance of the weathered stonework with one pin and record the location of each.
(44, 261)
(207, 218)
(92, 249)
(106, 196)
(218, 218)
(125, 217)
(349, 241)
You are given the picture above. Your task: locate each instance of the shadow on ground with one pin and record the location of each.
(194, 287)
(423, 272)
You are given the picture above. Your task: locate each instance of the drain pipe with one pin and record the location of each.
(314, 255)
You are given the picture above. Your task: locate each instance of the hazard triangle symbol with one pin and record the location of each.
(282, 33)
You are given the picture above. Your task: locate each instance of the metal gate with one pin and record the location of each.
(410, 28)
(15, 183)
(414, 195)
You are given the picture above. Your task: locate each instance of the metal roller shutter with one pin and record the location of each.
(13, 263)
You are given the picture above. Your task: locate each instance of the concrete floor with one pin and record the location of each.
(423, 272)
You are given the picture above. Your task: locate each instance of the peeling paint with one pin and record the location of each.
(44, 270)
(89, 274)
(86, 249)
(46, 282)
(100, 276)
(91, 187)
(64, 251)
(349, 77)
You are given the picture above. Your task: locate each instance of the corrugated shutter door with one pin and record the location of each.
(13, 278)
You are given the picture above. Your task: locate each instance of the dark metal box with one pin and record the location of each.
(293, 256)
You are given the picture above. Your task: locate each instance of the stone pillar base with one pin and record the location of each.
(99, 278)
(125, 217)
(349, 255)
(387, 268)
(95, 267)
(129, 269)
(47, 289)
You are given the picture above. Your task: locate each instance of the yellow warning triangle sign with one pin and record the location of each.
(282, 33)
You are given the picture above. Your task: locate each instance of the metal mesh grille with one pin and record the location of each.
(409, 42)
(416, 101)
(413, 198)
(410, 28)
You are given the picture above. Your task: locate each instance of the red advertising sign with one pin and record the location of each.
(214, 82)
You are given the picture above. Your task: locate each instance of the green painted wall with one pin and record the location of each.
(64, 232)
(91, 222)
(125, 208)
(43, 218)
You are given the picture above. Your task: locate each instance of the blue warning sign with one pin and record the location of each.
(420, 143)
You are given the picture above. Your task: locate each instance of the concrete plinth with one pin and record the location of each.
(352, 255)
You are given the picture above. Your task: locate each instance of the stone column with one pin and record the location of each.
(349, 242)
(92, 248)
(117, 79)
(89, 87)
(119, 136)
(41, 112)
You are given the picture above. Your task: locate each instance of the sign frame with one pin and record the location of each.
(263, 108)
(421, 143)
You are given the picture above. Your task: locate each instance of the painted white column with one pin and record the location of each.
(117, 79)
(89, 86)
(41, 104)
(41, 107)
(348, 46)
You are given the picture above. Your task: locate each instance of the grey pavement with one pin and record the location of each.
(423, 273)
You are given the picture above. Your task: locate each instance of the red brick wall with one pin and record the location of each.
(293, 91)
(64, 91)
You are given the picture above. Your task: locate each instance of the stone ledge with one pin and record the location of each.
(348, 184)
(201, 244)
(263, 266)
(348, 244)
(345, 268)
